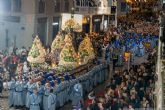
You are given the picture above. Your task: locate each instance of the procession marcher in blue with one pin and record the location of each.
(30, 87)
(24, 83)
(120, 58)
(40, 88)
(11, 92)
(18, 99)
(62, 93)
(59, 92)
(77, 96)
(51, 101)
(141, 49)
(135, 49)
(34, 100)
(46, 94)
(107, 54)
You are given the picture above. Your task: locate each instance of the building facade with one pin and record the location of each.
(22, 20)
(16, 22)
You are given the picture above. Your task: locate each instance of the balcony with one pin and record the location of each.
(93, 10)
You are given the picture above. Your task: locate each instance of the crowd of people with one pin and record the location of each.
(131, 88)
(132, 43)
(12, 62)
(140, 24)
(51, 92)
(128, 89)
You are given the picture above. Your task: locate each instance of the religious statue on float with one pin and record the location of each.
(68, 56)
(71, 25)
(86, 51)
(37, 52)
(56, 47)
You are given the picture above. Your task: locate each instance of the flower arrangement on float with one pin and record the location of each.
(37, 53)
(68, 55)
(63, 56)
(86, 50)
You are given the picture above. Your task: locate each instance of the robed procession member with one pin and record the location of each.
(141, 49)
(11, 92)
(18, 99)
(46, 95)
(30, 86)
(51, 101)
(77, 96)
(40, 86)
(34, 100)
(24, 92)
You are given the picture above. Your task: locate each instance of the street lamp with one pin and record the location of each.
(72, 12)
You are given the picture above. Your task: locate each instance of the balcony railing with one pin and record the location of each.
(93, 10)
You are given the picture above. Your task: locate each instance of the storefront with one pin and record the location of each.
(97, 20)
(100, 23)
(86, 24)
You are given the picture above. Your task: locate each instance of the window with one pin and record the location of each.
(78, 2)
(12, 18)
(17, 5)
(123, 6)
(41, 6)
(7, 5)
(57, 6)
(66, 6)
(112, 17)
(86, 3)
(42, 29)
(113, 9)
(55, 26)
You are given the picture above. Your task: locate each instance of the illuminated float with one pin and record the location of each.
(56, 47)
(37, 52)
(68, 56)
(86, 51)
